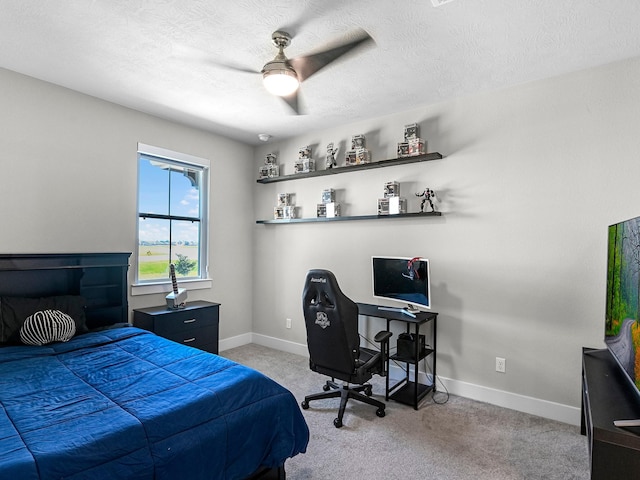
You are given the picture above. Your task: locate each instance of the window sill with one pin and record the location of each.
(166, 287)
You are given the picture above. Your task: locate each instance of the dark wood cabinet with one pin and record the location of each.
(607, 395)
(195, 325)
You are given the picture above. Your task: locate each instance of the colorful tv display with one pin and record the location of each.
(622, 327)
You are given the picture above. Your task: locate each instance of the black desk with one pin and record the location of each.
(407, 391)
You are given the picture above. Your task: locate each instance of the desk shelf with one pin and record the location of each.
(425, 353)
(408, 390)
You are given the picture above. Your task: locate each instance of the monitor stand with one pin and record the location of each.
(412, 309)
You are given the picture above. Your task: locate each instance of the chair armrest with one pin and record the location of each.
(383, 336)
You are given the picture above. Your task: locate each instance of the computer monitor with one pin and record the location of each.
(402, 279)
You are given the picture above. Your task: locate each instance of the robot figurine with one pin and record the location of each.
(427, 195)
(331, 156)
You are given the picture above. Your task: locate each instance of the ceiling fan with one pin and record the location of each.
(282, 76)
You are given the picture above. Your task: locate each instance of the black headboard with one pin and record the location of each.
(101, 278)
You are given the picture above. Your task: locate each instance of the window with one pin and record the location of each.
(172, 215)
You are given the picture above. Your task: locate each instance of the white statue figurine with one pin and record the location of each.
(331, 156)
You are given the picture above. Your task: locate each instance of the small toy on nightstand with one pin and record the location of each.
(178, 297)
(427, 195)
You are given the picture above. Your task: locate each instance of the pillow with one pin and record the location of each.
(14, 311)
(74, 306)
(47, 326)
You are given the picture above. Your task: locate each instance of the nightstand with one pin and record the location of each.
(195, 325)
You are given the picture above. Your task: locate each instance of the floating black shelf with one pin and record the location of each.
(354, 168)
(342, 219)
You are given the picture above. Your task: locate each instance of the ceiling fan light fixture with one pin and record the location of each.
(278, 75)
(280, 80)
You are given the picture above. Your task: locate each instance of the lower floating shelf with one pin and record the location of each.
(342, 219)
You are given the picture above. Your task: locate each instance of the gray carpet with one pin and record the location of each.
(459, 439)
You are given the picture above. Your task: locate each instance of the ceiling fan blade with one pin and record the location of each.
(292, 101)
(192, 55)
(307, 65)
(232, 66)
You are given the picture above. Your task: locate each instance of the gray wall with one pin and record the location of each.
(532, 178)
(69, 180)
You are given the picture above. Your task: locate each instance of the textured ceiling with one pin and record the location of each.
(167, 57)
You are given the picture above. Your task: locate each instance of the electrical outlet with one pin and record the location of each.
(288, 323)
(501, 365)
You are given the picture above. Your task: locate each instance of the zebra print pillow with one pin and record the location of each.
(47, 326)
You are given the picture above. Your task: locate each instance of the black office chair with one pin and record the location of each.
(334, 344)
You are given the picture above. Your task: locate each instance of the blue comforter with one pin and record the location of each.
(124, 404)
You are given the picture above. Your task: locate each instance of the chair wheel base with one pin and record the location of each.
(361, 393)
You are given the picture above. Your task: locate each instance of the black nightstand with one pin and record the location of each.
(195, 325)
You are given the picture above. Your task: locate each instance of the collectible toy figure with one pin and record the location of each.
(428, 194)
(331, 156)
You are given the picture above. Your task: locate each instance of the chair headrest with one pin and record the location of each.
(322, 287)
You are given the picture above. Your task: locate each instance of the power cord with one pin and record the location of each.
(436, 380)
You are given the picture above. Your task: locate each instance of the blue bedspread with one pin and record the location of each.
(124, 404)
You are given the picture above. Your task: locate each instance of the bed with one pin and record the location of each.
(115, 401)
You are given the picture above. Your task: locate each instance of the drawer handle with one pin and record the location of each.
(189, 340)
(190, 321)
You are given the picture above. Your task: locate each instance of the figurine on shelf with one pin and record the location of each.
(427, 195)
(331, 156)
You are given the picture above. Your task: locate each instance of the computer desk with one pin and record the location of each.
(407, 391)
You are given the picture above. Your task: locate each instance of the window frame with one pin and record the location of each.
(141, 287)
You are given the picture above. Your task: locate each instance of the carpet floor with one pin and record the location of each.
(450, 438)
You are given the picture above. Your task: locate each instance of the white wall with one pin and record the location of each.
(532, 177)
(69, 179)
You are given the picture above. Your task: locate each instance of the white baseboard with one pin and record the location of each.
(271, 342)
(233, 342)
(279, 344)
(522, 403)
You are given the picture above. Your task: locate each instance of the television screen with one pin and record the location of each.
(622, 331)
(402, 279)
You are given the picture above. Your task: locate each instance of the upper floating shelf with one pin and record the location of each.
(354, 168)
